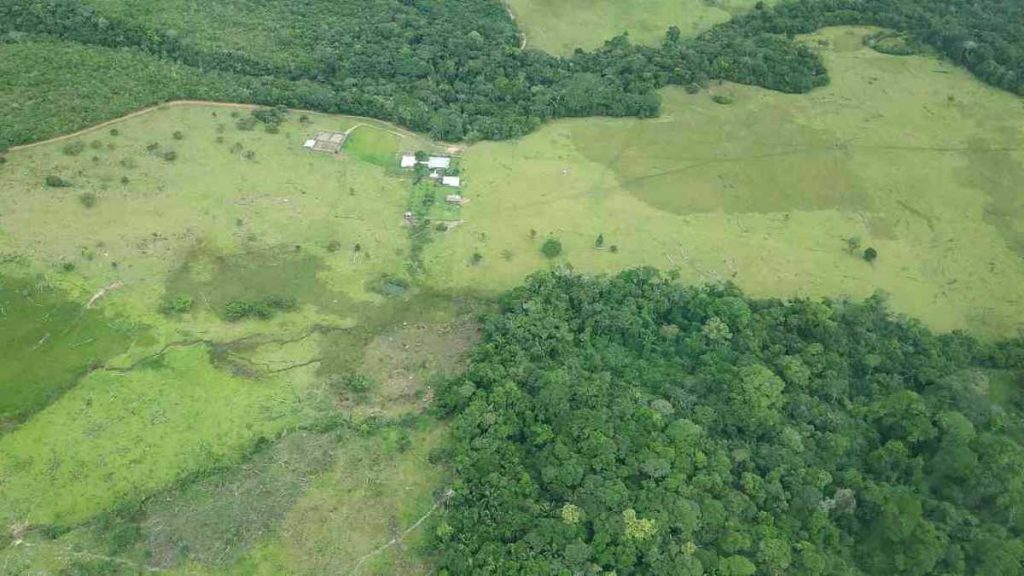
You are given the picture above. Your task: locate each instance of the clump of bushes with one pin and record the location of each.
(56, 182)
(722, 99)
(262, 309)
(247, 123)
(180, 304)
(88, 199)
(73, 148)
(551, 248)
(115, 132)
(170, 156)
(178, 135)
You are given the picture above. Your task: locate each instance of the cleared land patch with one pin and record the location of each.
(765, 191)
(559, 27)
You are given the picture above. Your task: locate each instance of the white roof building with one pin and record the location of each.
(408, 161)
(453, 181)
(439, 162)
(310, 143)
(435, 174)
(453, 199)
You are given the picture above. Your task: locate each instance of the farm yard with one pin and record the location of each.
(203, 313)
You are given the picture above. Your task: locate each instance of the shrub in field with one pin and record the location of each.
(551, 248)
(73, 148)
(88, 199)
(56, 182)
(179, 304)
(262, 309)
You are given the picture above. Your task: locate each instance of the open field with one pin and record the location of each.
(559, 27)
(173, 414)
(911, 155)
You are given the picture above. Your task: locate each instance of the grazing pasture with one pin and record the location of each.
(559, 27)
(908, 154)
(221, 300)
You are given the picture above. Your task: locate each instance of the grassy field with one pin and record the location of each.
(909, 154)
(559, 27)
(144, 435)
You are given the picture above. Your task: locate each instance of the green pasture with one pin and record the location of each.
(559, 27)
(180, 413)
(909, 154)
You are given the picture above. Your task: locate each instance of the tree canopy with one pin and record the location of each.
(454, 68)
(630, 425)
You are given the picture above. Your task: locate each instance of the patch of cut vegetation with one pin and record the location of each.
(383, 487)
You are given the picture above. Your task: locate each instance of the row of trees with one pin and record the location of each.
(629, 425)
(453, 67)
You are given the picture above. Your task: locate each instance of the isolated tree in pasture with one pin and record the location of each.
(551, 248)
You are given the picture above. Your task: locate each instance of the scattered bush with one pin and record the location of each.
(73, 148)
(96, 145)
(247, 123)
(176, 305)
(551, 248)
(56, 182)
(249, 155)
(441, 227)
(722, 99)
(476, 258)
(333, 246)
(870, 254)
(853, 244)
(599, 242)
(170, 156)
(152, 147)
(124, 180)
(67, 266)
(88, 199)
(262, 309)
(178, 135)
(614, 248)
(115, 132)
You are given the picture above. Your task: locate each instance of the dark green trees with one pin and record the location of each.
(631, 425)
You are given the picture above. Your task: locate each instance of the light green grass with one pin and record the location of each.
(118, 436)
(561, 26)
(764, 192)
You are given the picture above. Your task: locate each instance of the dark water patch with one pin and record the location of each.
(216, 280)
(48, 341)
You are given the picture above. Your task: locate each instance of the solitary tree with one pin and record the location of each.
(870, 254)
(600, 241)
(551, 248)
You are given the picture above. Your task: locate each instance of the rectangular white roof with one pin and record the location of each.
(439, 162)
(453, 181)
(408, 161)
(310, 143)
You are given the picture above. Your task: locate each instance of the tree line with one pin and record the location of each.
(453, 68)
(630, 425)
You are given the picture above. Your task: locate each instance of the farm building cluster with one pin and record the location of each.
(438, 167)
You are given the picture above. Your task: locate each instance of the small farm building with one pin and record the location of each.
(453, 181)
(435, 162)
(453, 199)
(408, 161)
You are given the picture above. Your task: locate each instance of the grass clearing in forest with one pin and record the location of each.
(560, 26)
(198, 207)
(909, 154)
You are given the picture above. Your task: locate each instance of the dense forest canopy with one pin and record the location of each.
(454, 67)
(629, 425)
